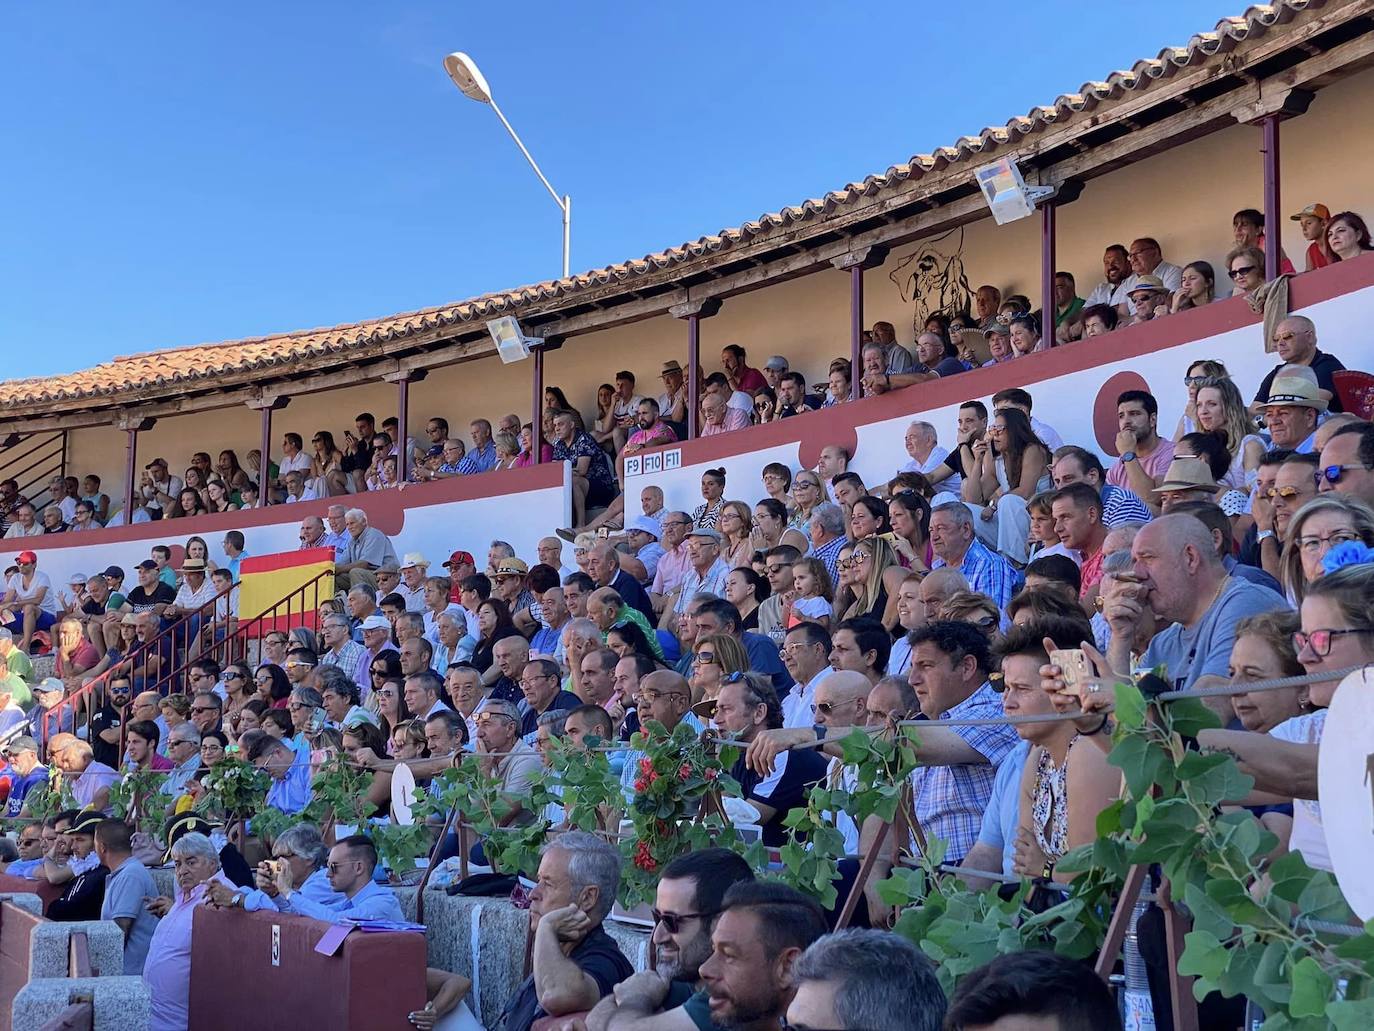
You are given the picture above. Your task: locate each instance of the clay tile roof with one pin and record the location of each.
(183, 365)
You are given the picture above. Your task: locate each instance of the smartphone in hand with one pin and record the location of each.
(1074, 667)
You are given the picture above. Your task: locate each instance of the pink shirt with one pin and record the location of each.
(1155, 464)
(735, 419)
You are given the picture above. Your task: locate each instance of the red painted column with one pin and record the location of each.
(1047, 271)
(537, 406)
(856, 328)
(264, 460)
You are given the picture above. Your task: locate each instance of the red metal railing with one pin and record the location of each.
(201, 634)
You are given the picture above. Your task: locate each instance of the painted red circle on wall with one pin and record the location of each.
(1104, 408)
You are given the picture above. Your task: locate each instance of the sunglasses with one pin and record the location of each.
(672, 922)
(1333, 473)
(1243, 271)
(1283, 492)
(701, 658)
(1320, 640)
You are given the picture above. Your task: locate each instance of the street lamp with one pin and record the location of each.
(468, 78)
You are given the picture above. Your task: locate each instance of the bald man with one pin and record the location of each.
(937, 588)
(1295, 339)
(839, 705)
(1184, 583)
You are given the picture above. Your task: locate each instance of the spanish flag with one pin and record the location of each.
(281, 592)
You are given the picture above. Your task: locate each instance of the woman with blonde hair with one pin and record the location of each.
(1323, 523)
(715, 658)
(735, 524)
(1221, 410)
(873, 557)
(1197, 373)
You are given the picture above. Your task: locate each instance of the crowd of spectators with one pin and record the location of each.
(1138, 285)
(779, 614)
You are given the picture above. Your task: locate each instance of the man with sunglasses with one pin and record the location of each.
(687, 901)
(349, 867)
(1347, 463)
(1295, 340)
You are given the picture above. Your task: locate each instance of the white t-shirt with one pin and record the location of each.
(1308, 836)
(934, 461)
(812, 608)
(39, 581)
(297, 463)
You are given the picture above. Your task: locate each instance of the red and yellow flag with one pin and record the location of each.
(281, 592)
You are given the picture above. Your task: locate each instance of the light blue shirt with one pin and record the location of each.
(1003, 813)
(316, 889)
(174, 785)
(292, 793)
(372, 902)
(629, 773)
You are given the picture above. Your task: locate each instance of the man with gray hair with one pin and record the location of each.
(856, 979)
(506, 756)
(574, 962)
(923, 445)
(826, 531)
(366, 550)
(183, 749)
(708, 572)
(303, 850)
(955, 545)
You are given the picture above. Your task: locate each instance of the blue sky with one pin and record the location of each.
(179, 173)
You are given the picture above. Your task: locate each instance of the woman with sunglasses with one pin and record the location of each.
(1221, 410)
(978, 610)
(272, 685)
(238, 687)
(1348, 236)
(1012, 467)
(1245, 266)
(1192, 379)
(1323, 523)
(407, 740)
(715, 658)
(873, 565)
(807, 492)
(1198, 287)
(391, 704)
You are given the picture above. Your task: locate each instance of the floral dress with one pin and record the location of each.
(1050, 805)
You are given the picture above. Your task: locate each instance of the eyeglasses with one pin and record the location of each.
(203, 708)
(652, 696)
(672, 922)
(703, 657)
(1320, 640)
(845, 563)
(231, 675)
(1311, 545)
(1333, 473)
(1243, 271)
(336, 867)
(824, 708)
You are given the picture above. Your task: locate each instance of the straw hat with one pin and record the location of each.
(1187, 474)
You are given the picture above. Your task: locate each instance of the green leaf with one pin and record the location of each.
(1204, 957)
(1214, 778)
(1130, 706)
(1289, 874)
(1351, 1014)
(1312, 988)
(1322, 899)
(1207, 915)
(1187, 716)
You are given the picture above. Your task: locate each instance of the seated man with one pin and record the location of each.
(745, 707)
(85, 891)
(856, 979)
(1033, 989)
(688, 898)
(351, 864)
(303, 852)
(1295, 339)
(290, 791)
(574, 962)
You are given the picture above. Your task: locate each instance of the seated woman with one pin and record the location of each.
(717, 656)
(1193, 378)
(1012, 466)
(876, 578)
(1098, 320)
(1325, 522)
(1066, 781)
(746, 590)
(1199, 287)
(973, 608)
(838, 387)
(1348, 236)
(1222, 410)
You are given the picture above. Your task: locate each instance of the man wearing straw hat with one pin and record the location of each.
(1188, 479)
(1292, 410)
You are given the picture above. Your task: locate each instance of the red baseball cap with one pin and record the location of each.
(458, 558)
(25, 556)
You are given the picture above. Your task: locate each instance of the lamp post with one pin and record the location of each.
(466, 76)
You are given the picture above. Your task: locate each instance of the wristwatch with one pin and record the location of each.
(237, 901)
(1265, 535)
(1127, 456)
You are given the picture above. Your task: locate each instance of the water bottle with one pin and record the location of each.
(1137, 1010)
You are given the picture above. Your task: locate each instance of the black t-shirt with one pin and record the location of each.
(695, 1004)
(83, 898)
(107, 717)
(1323, 365)
(597, 955)
(142, 601)
(784, 789)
